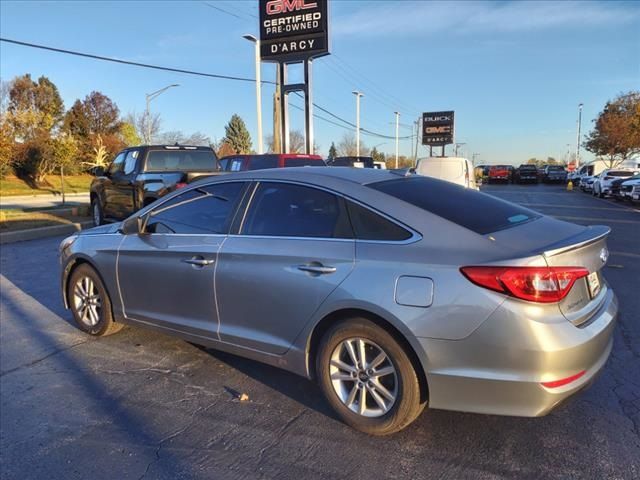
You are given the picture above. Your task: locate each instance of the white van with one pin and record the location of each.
(452, 169)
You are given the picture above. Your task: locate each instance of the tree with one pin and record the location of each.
(129, 135)
(176, 136)
(147, 128)
(7, 148)
(333, 153)
(616, 133)
(347, 146)
(33, 107)
(378, 156)
(237, 136)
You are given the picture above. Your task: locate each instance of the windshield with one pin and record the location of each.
(181, 160)
(468, 208)
(620, 173)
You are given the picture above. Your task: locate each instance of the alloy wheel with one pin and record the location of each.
(364, 377)
(87, 301)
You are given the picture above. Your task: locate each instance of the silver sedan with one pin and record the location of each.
(392, 291)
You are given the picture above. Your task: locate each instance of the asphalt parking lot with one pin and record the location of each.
(143, 405)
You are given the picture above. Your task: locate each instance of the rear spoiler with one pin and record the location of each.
(590, 234)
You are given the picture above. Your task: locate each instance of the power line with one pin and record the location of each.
(177, 70)
(135, 64)
(228, 12)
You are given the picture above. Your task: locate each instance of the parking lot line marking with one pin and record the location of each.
(599, 221)
(573, 206)
(625, 254)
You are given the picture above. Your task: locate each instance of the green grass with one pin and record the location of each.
(12, 186)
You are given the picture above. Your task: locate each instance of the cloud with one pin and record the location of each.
(424, 18)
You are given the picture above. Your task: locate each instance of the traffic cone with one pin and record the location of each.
(570, 186)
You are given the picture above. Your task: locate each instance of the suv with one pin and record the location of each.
(554, 173)
(526, 173)
(237, 163)
(140, 175)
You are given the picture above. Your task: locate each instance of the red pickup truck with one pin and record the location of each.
(499, 173)
(237, 163)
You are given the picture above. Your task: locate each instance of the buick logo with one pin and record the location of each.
(604, 255)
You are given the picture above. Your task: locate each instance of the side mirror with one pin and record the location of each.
(98, 171)
(132, 225)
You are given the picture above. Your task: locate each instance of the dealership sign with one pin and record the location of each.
(293, 30)
(437, 128)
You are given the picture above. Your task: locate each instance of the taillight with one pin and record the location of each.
(181, 185)
(534, 284)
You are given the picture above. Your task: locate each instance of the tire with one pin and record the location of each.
(96, 319)
(96, 212)
(403, 383)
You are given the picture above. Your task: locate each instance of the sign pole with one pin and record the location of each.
(284, 117)
(308, 106)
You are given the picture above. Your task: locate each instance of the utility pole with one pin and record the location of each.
(149, 97)
(358, 94)
(415, 156)
(473, 158)
(578, 136)
(256, 44)
(277, 127)
(397, 133)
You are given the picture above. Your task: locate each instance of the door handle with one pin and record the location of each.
(318, 269)
(198, 261)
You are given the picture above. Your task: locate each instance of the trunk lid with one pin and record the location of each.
(564, 244)
(587, 249)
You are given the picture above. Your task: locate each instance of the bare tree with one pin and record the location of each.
(5, 88)
(177, 136)
(142, 124)
(347, 146)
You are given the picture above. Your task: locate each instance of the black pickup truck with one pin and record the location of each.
(140, 175)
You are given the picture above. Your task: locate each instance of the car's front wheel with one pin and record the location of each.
(368, 378)
(90, 302)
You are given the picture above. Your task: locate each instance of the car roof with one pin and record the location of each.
(360, 176)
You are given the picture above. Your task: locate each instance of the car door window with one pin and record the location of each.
(204, 210)
(368, 225)
(130, 161)
(288, 210)
(223, 163)
(117, 164)
(235, 164)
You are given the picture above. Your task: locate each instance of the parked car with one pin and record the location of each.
(631, 189)
(526, 173)
(380, 165)
(602, 182)
(364, 280)
(498, 173)
(616, 187)
(586, 184)
(582, 172)
(357, 162)
(238, 163)
(140, 175)
(554, 174)
(452, 169)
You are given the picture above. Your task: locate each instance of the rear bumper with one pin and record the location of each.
(499, 368)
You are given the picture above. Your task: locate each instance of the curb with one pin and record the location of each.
(43, 232)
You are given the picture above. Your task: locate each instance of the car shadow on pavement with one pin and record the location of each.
(84, 383)
(299, 389)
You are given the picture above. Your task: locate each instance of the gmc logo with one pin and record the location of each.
(283, 6)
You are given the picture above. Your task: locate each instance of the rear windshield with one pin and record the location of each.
(181, 160)
(556, 168)
(528, 167)
(620, 173)
(263, 161)
(469, 208)
(303, 162)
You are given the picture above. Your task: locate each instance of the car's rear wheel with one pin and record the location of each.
(90, 302)
(368, 378)
(96, 212)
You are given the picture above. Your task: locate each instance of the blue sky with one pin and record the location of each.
(514, 72)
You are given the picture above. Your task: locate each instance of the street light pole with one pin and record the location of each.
(358, 95)
(149, 97)
(397, 134)
(455, 151)
(256, 44)
(578, 136)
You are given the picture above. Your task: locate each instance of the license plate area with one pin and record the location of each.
(593, 280)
